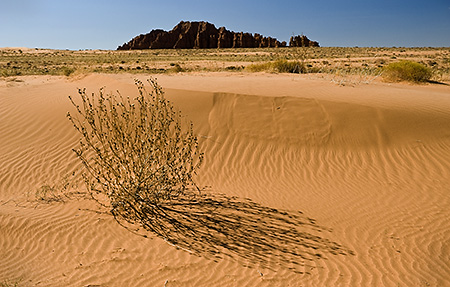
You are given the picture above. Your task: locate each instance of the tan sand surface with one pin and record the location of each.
(368, 167)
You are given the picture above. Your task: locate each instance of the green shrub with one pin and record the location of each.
(407, 71)
(136, 152)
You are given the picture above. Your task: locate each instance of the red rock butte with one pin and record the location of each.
(203, 35)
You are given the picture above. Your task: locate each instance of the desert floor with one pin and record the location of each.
(332, 185)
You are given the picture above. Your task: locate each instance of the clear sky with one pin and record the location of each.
(106, 24)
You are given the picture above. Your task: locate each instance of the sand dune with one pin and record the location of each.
(331, 186)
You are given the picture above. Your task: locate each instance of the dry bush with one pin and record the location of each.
(59, 191)
(49, 193)
(407, 71)
(284, 66)
(279, 66)
(137, 154)
(260, 67)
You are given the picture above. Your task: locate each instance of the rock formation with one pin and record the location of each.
(302, 41)
(199, 35)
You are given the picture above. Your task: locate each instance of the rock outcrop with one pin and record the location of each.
(199, 35)
(302, 41)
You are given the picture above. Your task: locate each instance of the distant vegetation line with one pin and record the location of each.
(327, 60)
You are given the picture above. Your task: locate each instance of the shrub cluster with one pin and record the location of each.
(407, 71)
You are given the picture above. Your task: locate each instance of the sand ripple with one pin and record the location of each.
(322, 188)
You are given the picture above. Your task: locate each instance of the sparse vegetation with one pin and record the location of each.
(10, 283)
(324, 60)
(67, 71)
(60, 191)
(407, 71)
(49, 193)
(260, 67)
(353, 76)
(279, 66)
(176, 68)
(137, 153)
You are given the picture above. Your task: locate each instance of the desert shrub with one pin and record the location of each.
(176, 68)
(407, 71)
(10, 72)
(278, 66)
(261, 67)
(234, 68)
(137, 153)
(67, 71)
(285, 66)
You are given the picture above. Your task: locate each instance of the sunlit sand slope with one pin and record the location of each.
(307, 184)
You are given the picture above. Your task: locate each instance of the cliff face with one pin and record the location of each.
(199, 35)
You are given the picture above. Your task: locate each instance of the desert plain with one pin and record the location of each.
(336, 176)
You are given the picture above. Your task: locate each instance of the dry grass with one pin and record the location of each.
(10, 283)
(328, 60)
(279, 66)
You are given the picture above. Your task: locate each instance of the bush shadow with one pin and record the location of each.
(217, 226)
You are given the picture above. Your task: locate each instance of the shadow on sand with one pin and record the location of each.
(215, 226)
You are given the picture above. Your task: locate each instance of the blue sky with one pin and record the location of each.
(106, 24)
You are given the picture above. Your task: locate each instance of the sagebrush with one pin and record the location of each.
(137, 153)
